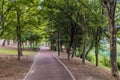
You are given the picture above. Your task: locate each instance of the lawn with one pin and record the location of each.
(11, 69)
(14, 51)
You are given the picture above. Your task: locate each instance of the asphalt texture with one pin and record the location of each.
(47, 67)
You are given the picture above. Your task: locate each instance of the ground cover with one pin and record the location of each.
(85, 72)
(10, 68)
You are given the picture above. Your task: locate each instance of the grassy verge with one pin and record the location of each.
(10, 68)
(14, 51)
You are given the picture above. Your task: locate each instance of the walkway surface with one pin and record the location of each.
(46, 67)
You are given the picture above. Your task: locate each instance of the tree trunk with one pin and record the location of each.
(21, 47)
(113, 55)
(110, 9)
(18, 44)
(73, 53)
(18, 32)
(79, 52)
(84, 46)
(18, 48)
(84, 43)
(96, 45)
(91, 46)
(3, 44)
(51, 45)
(69, 48)
(30, 44)
(36, 43)
(58, 44)
(8, 42)
(61, 49)
(96, 52)
(74, 48)
(72, 33)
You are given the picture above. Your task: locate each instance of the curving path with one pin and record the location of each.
(47, 67)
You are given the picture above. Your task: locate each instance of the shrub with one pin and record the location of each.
(106, 61)
(90, 58)
(118, 63)
(53, 48)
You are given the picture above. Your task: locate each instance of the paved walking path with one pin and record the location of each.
(46, 67)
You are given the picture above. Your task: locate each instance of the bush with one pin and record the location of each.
(105, 61)
(90, 58)
(53, 48)
(118, 63)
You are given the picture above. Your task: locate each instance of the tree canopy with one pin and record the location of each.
(79, 26)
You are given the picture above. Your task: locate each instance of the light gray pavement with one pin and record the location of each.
(47, 67)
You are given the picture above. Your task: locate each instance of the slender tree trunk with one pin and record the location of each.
(18, 39)
(97, 41)
(91, 46)
(18, 32)
(58, 44)
(74, 48)
(84, 43)
(96, 52)
(79, 52)
(21, 47)
(69, 48)
(30, 44)
(18, 49)
(84, 46)
(61, 49)
(96, 45)
(51, 45)
(73, 53)
(3, 44)
(18, 43)
(8, 42)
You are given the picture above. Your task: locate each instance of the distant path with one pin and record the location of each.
(46, 67)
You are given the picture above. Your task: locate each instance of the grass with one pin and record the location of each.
(14, 51)
(10, 68)
(102, 59)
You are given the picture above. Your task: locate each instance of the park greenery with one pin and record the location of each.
(88, 29)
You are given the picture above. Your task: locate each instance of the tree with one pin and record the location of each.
(4, 11)
(110, 7)
(18, 18)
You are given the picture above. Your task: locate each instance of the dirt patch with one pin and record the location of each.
(11, 69)
(85, 72)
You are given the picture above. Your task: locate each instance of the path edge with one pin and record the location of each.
(70, 73)
(30, 68)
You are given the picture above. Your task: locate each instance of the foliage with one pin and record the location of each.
(90, 58)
